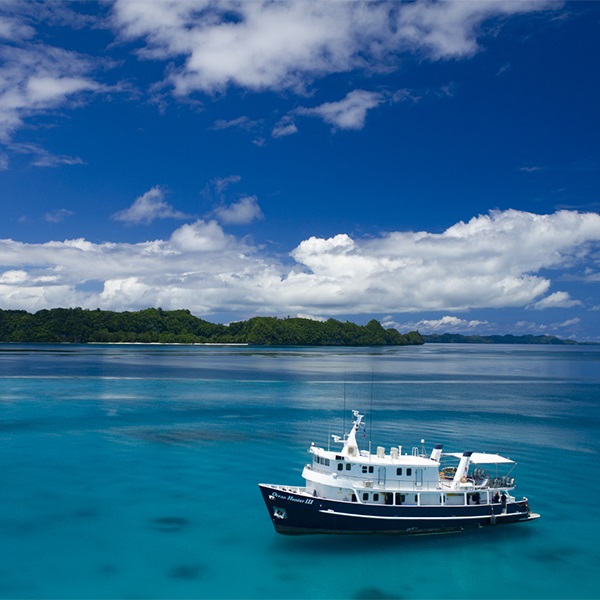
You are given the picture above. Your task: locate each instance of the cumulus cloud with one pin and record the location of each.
(149, 207)
(201, 236)
(348, 113)
(239, 213)
(556, 300)
(265, 45)
(492, 261)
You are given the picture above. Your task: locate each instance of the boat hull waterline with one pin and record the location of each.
(306, 515)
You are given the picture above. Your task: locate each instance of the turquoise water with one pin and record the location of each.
(132, 471)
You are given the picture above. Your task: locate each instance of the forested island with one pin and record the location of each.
(154, 325)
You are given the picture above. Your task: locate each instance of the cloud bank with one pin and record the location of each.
(264, 45)
(492, 261)
(211, 45)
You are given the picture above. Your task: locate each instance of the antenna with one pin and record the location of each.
(371, 412)
(344, 410)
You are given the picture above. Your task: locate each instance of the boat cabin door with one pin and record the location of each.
(381, 476)
(419, 477)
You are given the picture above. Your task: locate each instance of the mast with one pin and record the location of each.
(350, 445)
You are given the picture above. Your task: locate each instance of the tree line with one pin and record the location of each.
(154, 325)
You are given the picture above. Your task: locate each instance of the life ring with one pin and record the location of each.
(463, 479)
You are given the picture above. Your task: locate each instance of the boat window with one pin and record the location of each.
(364, 469)
(348, 466)
(365, 496)
(375, 497)
(370, 469)
(340, 467)
(353, 497)
(326, 462)
(399, 498)
(408, 472)
(399, 471)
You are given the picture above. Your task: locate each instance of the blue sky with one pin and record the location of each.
(433, 165)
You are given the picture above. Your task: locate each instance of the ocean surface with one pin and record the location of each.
(131, 471)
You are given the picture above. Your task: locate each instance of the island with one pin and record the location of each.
(154, 325)
(457, 338)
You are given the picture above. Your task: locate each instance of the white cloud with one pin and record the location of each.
(36, 78)
(58, 215)
(201, 236)
(568, 323)
(149, 207)
(13, 277)
(348, 113)
(446, 324)
(220, 184)
(556, 300)
(43, 158)
(242, 122)
(285, 45)
(210, 45)
(239, 213)
(13, 30)
(493, 261)
(311, 317)
(44, 90)
(284, 127)
(528, 327)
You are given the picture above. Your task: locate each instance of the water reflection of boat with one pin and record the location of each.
(356, 491)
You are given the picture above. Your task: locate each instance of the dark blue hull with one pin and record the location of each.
(295, 513)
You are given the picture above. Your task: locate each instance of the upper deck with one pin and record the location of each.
(402, 471)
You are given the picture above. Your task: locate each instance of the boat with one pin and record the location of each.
(356, 491)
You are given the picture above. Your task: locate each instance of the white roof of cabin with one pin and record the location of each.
(481, 458)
